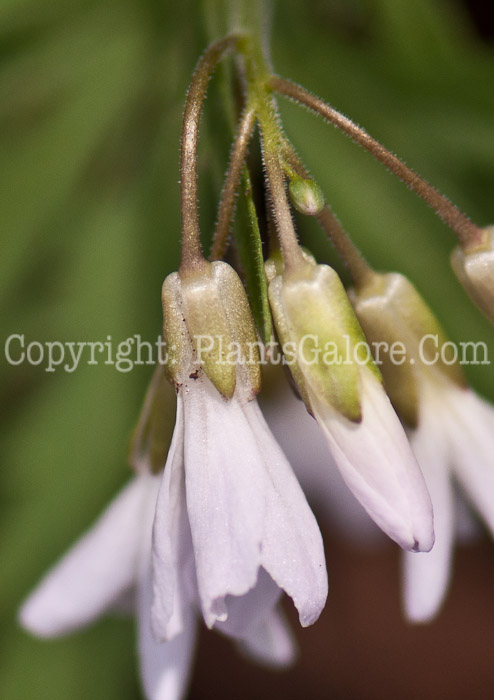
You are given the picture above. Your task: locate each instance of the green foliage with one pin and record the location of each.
(91, 96)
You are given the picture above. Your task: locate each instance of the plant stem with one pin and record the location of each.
(192, 256)
(468, 233)
(232, 179)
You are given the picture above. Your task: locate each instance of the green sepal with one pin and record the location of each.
(392, 311)
(311, 310)
(153, 433)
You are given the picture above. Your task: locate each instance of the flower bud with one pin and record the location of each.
(306, 195)
(323, 343)
(208, 326)
(407, 336)
(475, 270)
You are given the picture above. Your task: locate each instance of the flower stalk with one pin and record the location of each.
(468, 233)
(232, 180)
(359, 269)
(192, 257)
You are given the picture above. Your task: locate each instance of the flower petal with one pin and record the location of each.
(270, 642)
(96, 571)
(306, 448)
(470, 428)
(427, 575)
(165, 666)
(376, 462)
(245, 507)
(249, 610)
(292, 547)
(172, 552)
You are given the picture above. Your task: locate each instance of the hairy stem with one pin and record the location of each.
(232, 180)
(467, 232)
(358, 267)
(192, 256)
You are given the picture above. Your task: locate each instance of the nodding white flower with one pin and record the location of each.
(244, 507)
(451, 429)
(108, 565)
(453, 442)
(110, 569)
(232, 528)
(229, 493)
(342, 388)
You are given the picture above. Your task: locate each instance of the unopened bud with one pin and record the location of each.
(306, 195)
(475, 270)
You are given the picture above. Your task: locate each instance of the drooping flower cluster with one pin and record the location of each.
(217, 527)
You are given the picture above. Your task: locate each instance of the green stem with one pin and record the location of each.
(467, 232)
(257, 75)
(192, 256)
(232, 179)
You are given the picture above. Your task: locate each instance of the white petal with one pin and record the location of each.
(470, 425)
(305, 445)
(172, 552)
(245, 507)
(427, 575)
(247, 611)
(96, 571)
(292, 548)
(165, 666)
(376, 462)
(270, 642)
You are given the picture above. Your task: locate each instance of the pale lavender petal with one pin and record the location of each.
(172, 552)
(470, 425)
(225, 487)
(245, 507)
(270, 642)
(377, 463)
(292, 547)
(427, 575)
(306, 448)
(165, 666)
(247, 611)
(96, 571)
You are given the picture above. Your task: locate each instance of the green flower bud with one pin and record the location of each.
(407, 337)
(306, 195)
(475, 270)
(323, 343)
(208, 326)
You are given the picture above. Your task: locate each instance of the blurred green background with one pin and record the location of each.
(91, 97)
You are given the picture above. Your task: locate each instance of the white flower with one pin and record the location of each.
(103, 568)
(230, 496)
(109, 567)
(377, 464)
(231, 529)
(342, 389)
(454, 440)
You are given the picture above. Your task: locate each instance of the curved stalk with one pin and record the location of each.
(192, 256)
(232, 180)
(467, 232)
